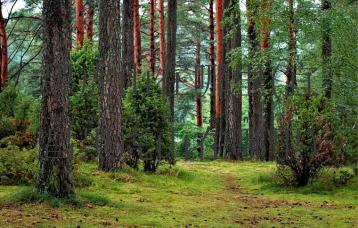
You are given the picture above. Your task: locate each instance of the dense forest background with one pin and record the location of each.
(148, 85)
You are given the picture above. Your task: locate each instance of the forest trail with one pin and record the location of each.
(190, 194)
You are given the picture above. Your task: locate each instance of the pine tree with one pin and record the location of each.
(80, 22)
(55, 151)
(234, 106)
(137, 37)
(112, 82)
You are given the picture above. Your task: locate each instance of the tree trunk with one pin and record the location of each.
(286, 120)
(198, 83)
(55, 150)
(112, 81)
(90, 20)
(128, 44)
(327, 49)
(219, 74)
(151, 36)
(162, 37)
(292, 52)
(170, 64)
(4, 57)
(235, 91)
(80, 23)
(266, 7)
(256, 144)
(137, 39)
(212, 63)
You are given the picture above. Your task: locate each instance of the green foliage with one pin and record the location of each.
(18, 166)
(314, 140)
(83, 63)
(18, 118)
(84, 110)
(145, 124)
(86, 150)
(342, 178)
(84, 90)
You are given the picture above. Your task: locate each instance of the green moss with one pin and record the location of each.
(215, 194)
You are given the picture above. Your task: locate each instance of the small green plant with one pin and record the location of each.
(343, 178)
(18, 166)
(146, 124)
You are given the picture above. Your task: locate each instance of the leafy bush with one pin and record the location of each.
(314, 141)
(84, 91)
(86, 150)
(83, 63)
(18, 118)
(18, 166)
(343, 177)
(145, 124)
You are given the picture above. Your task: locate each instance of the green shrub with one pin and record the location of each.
(18, 166)
(343, 177)
(314, 140)
(19, 118)
(86, 150)
(84, 91)
(146, 124)
(84, 110)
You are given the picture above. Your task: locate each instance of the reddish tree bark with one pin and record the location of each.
(90, 20)
(162, 37)
(80, 22)
(137, 39)
(199, 115)
(219, 72)
(219, 54)
(212, 62)
(4, 57)
(151, 36)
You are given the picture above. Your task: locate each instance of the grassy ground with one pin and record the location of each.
(198, 194)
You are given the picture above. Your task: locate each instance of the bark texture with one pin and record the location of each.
(199, 104)
(128, 44)
(235, 89)
(170, 63)
(112, 80)
(152, 37)
(90, 20)
(162, 37)
(326, 49)
(256, 143)
(3, 57)
(80, 22)
(292, 51)
(219, 75)
(212, 62)
(137, 37)
(266, 7)
(55, 151)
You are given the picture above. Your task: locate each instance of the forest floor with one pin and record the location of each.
(191, 194)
